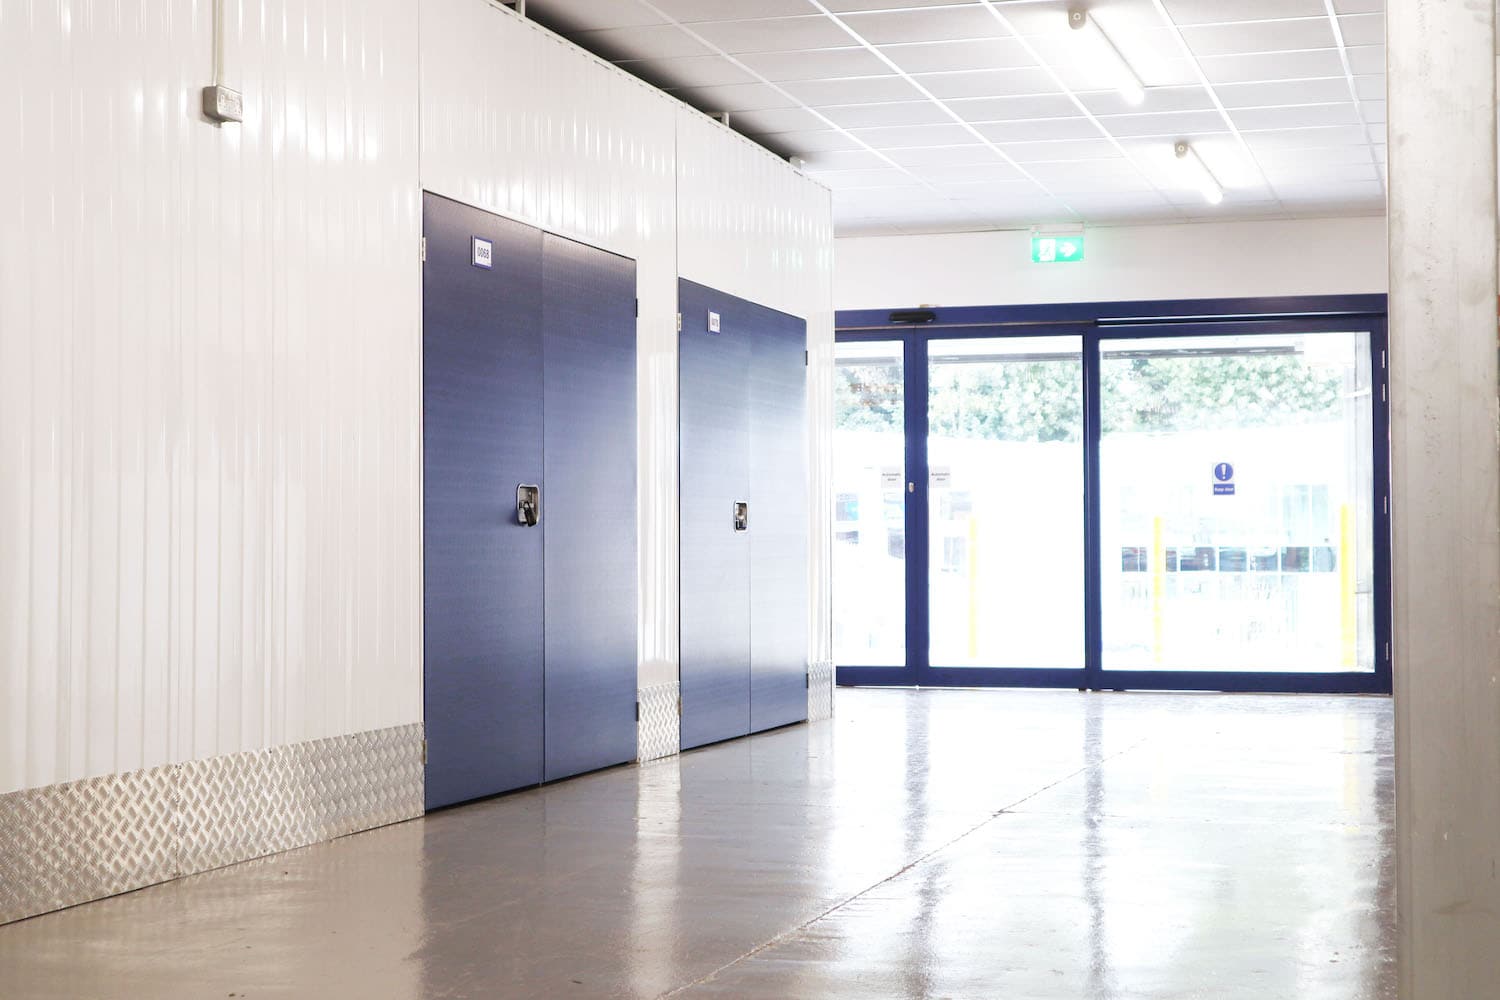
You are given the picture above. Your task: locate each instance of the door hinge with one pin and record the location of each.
(1382, 361)
(637, 711)
(679, 707)
(424, 752)
(1388, 652)
(422, 249)
(807, 680)
(679, 322)
(637, 308)
(806, 359)
(1385, 503)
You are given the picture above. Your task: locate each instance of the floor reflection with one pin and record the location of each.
(922, 844)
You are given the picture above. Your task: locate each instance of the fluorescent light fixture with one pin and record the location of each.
(1201, 177)
(1126, 82)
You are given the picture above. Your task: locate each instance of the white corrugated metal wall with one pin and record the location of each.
(209, 393)
(210, 347)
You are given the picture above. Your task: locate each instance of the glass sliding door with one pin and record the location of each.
(1236, 503)
(869, 483)
(1026, 496)
(1005, 502)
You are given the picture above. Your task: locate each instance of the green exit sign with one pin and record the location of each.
(1056, 249)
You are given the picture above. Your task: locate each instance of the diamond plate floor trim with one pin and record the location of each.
(82, 840)
(820, 681)
(658, 734)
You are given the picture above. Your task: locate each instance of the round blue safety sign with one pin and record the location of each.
(1223, 472)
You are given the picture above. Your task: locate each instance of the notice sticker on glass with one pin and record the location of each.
(940, 477)
(890, 479)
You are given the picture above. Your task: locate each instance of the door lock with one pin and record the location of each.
(741, 516)
(528, 505)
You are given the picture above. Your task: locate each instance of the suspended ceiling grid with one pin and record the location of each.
(930, 116)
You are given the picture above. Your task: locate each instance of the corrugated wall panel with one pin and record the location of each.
(750, 226)
(209, 348)
(208, 375)
(553, 137)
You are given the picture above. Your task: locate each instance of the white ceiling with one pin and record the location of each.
(965, 115)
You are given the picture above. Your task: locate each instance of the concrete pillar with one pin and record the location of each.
(1445, 480)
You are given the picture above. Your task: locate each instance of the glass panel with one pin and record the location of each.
(1236, 503)
(1005, 502)
(869, 517)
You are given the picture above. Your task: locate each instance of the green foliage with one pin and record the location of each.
(867, 397)
(1244, 390)
(1043, 400)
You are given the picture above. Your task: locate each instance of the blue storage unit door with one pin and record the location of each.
(742, 426)
(482, 437)
(778, 519)
(588, 334)
(714, 475)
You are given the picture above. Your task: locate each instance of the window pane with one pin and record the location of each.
(1005, 502)
(869, 518)
(1237, 503)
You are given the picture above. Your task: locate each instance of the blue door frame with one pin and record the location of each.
(1098, 322)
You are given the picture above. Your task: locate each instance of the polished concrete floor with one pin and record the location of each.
(963, 844)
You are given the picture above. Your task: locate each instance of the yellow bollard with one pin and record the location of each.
(1348, 614)
(1158, 585)
(973, 588)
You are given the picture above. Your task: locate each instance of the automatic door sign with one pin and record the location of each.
(1223, 480)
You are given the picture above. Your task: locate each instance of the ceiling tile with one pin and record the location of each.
(1280, 93)
(1307, 138)
(988, 83)
(1069, 149)
(776, 34)
(914, 135)
(859, 90)
(1109, 102)
(1263, 119)
(994, 170)
(899, 113)
(1186, 12)
(887, 177)
(846, 6)
(933, 24)
(1363, 29)
(947, 57)
(1370, 88)
(689, 11)
(1009, 109)
(1164, 65)
(1122, 18)
(897, 163)
(1040, 129)
(1260, 66)
(1260, 36)
(928, 156)
(1367, 59)
(1171, 123)
(815, 64)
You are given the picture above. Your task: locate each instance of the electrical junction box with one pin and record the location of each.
(222, 104)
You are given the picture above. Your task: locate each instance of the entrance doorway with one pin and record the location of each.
(1181, 501)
